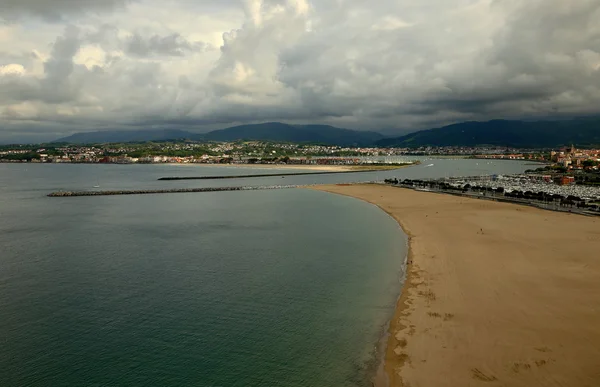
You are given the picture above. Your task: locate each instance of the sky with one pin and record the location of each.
(388, 65)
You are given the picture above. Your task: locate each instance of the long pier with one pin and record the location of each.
(61, 194)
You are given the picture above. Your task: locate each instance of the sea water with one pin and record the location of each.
(253, 288)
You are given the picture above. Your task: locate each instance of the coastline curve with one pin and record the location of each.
(385, 375)
(485, 303)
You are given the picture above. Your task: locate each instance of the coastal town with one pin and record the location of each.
(241, 152)
(250, 152)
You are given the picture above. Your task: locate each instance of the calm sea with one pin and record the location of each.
(253, 288)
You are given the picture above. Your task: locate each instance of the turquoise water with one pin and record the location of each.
(254, 288)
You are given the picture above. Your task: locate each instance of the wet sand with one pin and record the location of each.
(496, 294)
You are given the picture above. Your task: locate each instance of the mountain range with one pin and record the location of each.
(276, 131)
(115, 136)
(519, 134)
(270, 131)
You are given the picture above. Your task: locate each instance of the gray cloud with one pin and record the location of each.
(391, 65)
(57, 85)
(170, 45)
(55, 10)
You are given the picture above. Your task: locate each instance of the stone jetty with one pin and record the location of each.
(164, 191)
(265, 175)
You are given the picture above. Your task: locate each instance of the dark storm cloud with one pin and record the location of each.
(387, 64)
(546, 53)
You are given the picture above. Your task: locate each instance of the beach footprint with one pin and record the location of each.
(479, 375)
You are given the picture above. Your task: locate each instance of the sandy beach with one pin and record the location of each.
(315, 168)
(496, 294)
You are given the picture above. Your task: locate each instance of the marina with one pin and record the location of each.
(518, 189)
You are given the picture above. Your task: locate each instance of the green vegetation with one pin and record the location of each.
(588, 179)
(270, 131)
(548, 169)
(259, 150)
(518, 134)
(21, 156)
(280, 132)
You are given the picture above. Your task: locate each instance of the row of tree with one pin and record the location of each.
(20, 156)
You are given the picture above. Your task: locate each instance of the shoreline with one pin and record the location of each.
(389, 340)
(312, 167)
(484, 303)
(226, 177)
(324, 168)
(315, 167)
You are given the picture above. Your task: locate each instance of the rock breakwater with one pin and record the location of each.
(164, 191)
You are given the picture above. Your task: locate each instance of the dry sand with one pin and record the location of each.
(323, 168)
(320, 168)
(496, 295)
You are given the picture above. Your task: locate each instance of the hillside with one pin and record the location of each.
(519, 134)
(276, 131)
(271, 131)
(108, 136)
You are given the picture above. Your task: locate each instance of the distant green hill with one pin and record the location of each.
(111, 136)
(271, 131)
(519, 134)
(276, 131)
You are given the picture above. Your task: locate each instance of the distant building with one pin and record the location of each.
(566, 180)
